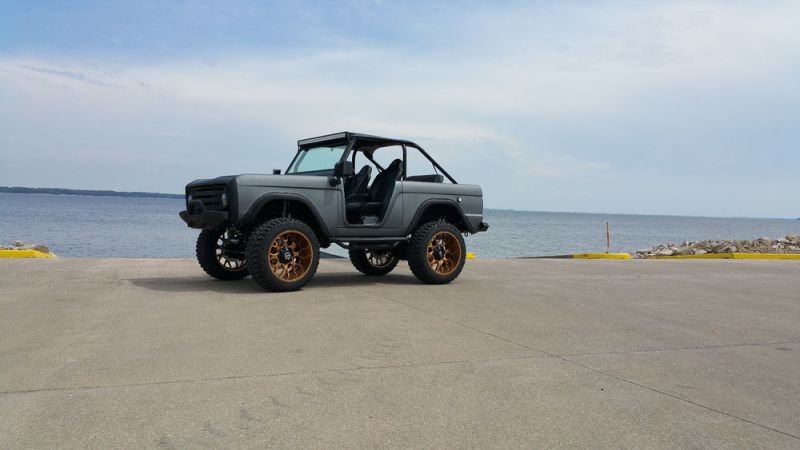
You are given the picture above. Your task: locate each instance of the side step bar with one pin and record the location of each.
(370, 242)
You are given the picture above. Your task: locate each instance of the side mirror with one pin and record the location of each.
(343, 169)
(276, 171)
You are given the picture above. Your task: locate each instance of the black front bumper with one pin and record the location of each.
(197, 216)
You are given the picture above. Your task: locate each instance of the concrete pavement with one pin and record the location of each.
(515, 353)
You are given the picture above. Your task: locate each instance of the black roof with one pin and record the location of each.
(347, 135)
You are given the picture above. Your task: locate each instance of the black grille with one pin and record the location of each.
(210, 196)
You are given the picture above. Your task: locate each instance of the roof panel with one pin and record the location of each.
(346, 135)
(325, 138)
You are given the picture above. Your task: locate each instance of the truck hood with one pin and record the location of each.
(263, 180)
(211, 181)
(288, 181)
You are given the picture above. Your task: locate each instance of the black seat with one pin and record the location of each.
(381, 190)
(355, 191)
(357, 184)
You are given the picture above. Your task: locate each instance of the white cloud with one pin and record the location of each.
(484, 99)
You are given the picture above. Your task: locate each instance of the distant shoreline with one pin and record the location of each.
(90, 192)
(136, 194)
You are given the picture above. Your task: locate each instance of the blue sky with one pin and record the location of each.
(602, 106)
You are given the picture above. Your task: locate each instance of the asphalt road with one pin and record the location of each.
(515, 353)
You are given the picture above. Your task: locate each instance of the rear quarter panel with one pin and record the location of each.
(416, 193)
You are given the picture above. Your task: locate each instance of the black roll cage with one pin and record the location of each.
(351, 138)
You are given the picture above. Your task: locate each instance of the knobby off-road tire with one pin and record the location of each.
(436, 252)
(214, 262)
(282, 254)
(373, 262)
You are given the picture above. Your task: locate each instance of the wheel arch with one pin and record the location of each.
(442, 208)
(270, 206)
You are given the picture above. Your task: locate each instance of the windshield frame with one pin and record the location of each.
(346, 144)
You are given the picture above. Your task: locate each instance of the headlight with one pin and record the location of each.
(224, 199)
(188, 198)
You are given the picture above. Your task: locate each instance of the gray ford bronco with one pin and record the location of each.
(399, 204)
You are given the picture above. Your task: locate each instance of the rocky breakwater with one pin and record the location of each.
(789, 244)
(19, 245)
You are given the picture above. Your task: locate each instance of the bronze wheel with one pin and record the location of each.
(221, 254)
(379, 258)
(290, 255)
(373, 262)
(282, 254)
(443, 253)
(227, 256)
(436, 252)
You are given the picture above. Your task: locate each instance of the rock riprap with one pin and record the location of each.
(789, 244)
(19, 245)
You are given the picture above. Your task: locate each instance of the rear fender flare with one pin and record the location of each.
(424, 206)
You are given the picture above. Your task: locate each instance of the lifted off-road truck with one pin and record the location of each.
(272, 227)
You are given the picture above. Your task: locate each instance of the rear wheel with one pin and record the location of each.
(282, 254)
(436, 252)
(373, 262)
(221, 254)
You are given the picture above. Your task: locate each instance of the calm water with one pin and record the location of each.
(118, 227)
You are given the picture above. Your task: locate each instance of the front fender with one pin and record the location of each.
(249, 219)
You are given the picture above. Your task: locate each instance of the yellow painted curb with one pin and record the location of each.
(602, 256)
(732, 256)
(766, 256)
(24, 254)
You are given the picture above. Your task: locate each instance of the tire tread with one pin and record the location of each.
(259, 266)
(205, 250)
(417, 259)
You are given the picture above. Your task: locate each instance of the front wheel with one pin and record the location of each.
(436, 252)
(373, 262)
(221, 254)
(282, 254)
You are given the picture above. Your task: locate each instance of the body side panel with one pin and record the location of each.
(419, 195)
(254, 191)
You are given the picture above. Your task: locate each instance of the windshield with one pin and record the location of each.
(314, 159)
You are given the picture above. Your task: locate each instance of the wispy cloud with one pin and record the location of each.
(547, 102)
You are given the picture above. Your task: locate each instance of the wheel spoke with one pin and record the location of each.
(301, 251)
(443, 252)
(379, 259)
(224, 242)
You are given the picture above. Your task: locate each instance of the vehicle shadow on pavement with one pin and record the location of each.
(248, 286)
(195, 284)
(324, 280)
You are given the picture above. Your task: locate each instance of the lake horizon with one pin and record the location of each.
(144, 227)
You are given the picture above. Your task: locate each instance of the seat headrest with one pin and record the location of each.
(396, 165)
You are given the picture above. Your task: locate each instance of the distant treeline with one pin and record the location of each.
(58, 191)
